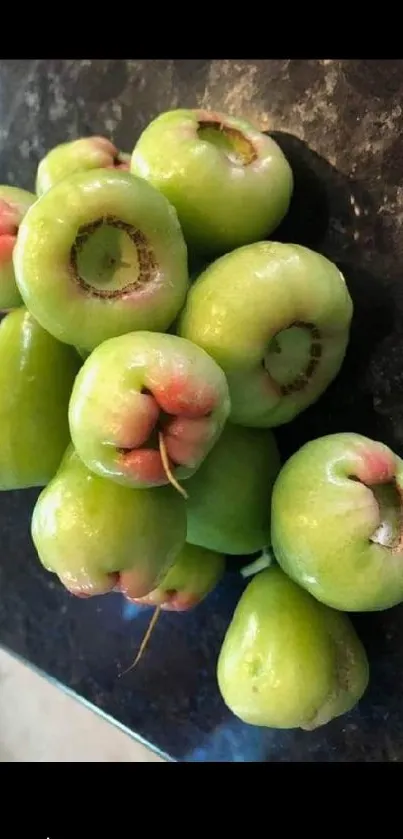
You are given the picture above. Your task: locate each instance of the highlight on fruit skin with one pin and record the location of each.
(288, 661)
(230, 183)
(194, 574)
(99, 537)
(229, 501)
(337, 522)
(101, 254)
(141, 389)
(75, 156)
(36, 377)
(14, 203)
(276, 318)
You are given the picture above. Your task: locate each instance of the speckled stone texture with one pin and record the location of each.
(341, 124)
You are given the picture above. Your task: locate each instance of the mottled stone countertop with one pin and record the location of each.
(341, 123)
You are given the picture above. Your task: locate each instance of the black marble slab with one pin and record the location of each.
(341, 123)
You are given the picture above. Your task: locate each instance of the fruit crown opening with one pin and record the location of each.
(231, 141)
(105, 259)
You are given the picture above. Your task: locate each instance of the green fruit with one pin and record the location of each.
(230, 183)
(36, 378)
(337, 522)
(276, 318)
(99, 255)
(230, 494)
(98, 536)
(138, 391)
(287, 661)
(190, 579)
(76, 156)
(14, 203)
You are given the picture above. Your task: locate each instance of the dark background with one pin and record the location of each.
(341, 124)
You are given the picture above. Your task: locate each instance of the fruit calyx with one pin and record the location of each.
(375, 469)
(170, 440)
(170, 600)
(85, 591)
(389, 532)
(282, 360)
(237, 147)
(10, 218)
(168, 424)
(121, 161)
(135, 278)
(115, 159)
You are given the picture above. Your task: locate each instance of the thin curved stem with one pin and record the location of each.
(145, 640)
(167, 469)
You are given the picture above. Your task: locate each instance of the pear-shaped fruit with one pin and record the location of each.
(230, 183)
(98, 536)
(288, 661)
(101, 254)
(276, 318)
(75, 156)
(194, 574)
(36, 377)
(139, 394)
(230, 494)
(337, 522)
(14, 203)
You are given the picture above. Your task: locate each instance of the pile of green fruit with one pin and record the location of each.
(143, 402)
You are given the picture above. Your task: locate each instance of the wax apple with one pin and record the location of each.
(194, 574)
(14, 203)
(337, 522)
(288, 661)
(75, 156)
(36, 377)
(230, 183)
(142, 395)
(98, 536)
(229, 500)
(101, 254)
(276, 318)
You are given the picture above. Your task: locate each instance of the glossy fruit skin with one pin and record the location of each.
(194, 574)
(36, 378)
(247, 298)
(98, 536)
(14, 203)
(229, 502)
(221, 203)
(134, 384)
(76, 311)
(324, 515)
(75, 156)
(288, 661)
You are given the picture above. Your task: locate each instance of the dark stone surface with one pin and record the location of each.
(341, 123)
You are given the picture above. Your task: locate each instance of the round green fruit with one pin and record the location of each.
(101, 254)
(98, 536)
(194, 574)
(228, 507)
(230, 183)
(36, 377)
(288, 661)
(337, 522)
(276, 318)
(143, 394)
(75, 156)
(14, 203)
